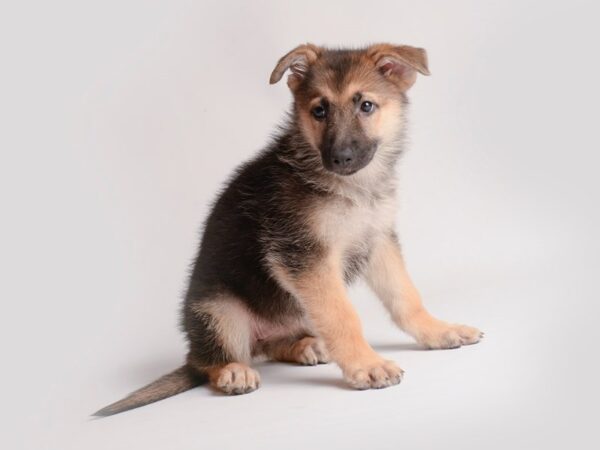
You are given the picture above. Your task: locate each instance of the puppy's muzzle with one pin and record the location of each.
(347, 160)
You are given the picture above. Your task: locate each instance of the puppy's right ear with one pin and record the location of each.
(298, 61)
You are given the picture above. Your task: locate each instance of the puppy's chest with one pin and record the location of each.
(350, 226)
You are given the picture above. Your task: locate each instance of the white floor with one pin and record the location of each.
(531, 383)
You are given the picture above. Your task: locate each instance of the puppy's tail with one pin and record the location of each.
(176, 382)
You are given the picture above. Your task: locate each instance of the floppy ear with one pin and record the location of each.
(400, 63)
(298, 61)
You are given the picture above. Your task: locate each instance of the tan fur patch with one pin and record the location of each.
(233, 325)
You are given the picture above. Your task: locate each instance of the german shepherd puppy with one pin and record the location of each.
(300, 221)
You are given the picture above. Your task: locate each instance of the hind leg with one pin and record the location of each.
(220, 335)
(308, 351)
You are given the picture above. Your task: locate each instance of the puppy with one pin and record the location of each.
(295, 225)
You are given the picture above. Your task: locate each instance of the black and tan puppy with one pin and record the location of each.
(298, 223)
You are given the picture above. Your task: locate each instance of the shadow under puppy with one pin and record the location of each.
(298, 223)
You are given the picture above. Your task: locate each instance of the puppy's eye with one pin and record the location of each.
(367, 107)
(319, 112)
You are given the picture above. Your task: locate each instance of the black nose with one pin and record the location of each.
(342, 158)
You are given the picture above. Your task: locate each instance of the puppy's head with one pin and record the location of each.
(349, 103)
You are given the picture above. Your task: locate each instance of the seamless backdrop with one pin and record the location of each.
(120, 120)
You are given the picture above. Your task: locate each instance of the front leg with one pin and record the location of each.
(387, 276)
(321, 291)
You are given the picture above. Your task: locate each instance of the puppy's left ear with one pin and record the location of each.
(298, 61)
(400, 63)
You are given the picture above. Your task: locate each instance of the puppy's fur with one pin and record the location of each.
(298, 223)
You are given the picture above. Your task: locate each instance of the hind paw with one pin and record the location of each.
(235, 379)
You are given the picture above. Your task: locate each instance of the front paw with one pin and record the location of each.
(373, 375)
(439, 335)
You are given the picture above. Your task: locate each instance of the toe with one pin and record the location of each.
(394, 372)
(309, 357)
(469, 335)
(359, 379)
(321, 352)
(379, 378)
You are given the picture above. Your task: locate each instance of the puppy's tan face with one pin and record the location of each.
(348, 103)
(347, 124)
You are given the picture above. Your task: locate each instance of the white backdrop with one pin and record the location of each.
(121, 119)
